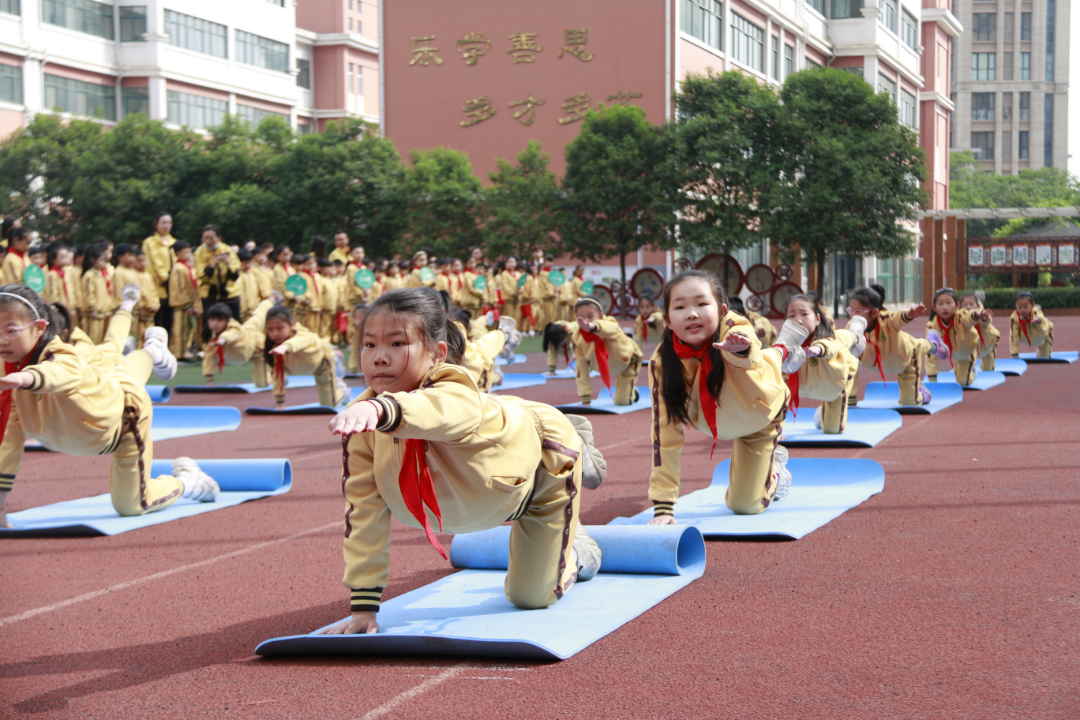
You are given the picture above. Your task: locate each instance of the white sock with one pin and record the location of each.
(128, 305)
(154, 351)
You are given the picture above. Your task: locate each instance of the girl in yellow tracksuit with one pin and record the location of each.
(830, 369)
(234, 344)
(282, 271)
(507, 292)
(49, 392)
(888, 348)
(292, 348)
(710, 372)
(1029, 323)
(425, 446)
(600, 344)
(989, 337)
(954, 334)
(649, 324)
(97, 292)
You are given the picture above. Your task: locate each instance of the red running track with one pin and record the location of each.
(953, 594)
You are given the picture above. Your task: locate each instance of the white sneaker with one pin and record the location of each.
(507, 324)
(792, 335)
(587, 555)
(131, 293)
(857, 326)
(781, 475)
(277, 297)
(158, 338)
(198, 486)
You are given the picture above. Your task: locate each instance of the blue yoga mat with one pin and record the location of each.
(178, 422)
(291, 382)
(515, 381)
(518, 359)
(886, 396)
(821, 490)
(159, 393)
(467, 614)
(605, 404)
(1010, 366)
(865, 428)
(569, 374)
(984, 379)
(1070, 356)
(240, 481)
(307, 408)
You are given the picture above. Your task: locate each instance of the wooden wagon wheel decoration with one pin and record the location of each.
(715, 263)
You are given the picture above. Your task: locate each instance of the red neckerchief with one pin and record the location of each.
(1023, 327)
(566, 354)
(877, 348)
(418, 489)
(708, 402)
(7, 396)
(644, 329)
(793, 383)
(945, 333)
(60, 271)
(279, 370)
(315, 284)
(108, 283)
(191, 273)
(601, 356)
(220, 359)
(22, 257)
(547, 269)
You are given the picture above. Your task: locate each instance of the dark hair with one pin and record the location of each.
(300, 259)
(461, 315)
(244, 255)
(44, 312)
(426, 313)
(138, 251)
(825, 326)
(735, 305)
(360, 306)
(672, 384)
(648, 297)
(35, 249)
(18, 234)
(54, 250)
(63, 321)
(160, 214)
(872, 297)
(5, 227)
(79, 251)
(181, 245)
(970, 294)
(277, 311)
(337, 263)
(93, 252)
(590, 300)
(318, 246)
(123, 249)
(220, 311)
(939, 293)
(280, 249)
(443, 261)
(444, 300)
(1025, 295)
(210, 228)
(322, 262)
(555, 336)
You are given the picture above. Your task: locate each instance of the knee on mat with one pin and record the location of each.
(526, 599)
(746, 507)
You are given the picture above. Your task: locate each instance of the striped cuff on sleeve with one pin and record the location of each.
(39, 380)
(6, 482)
(391, 414)
(663, 508)
(366, 600)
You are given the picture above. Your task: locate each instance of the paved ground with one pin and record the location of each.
(953, 594)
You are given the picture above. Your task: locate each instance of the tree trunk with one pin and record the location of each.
(819, 258)
(622, 272)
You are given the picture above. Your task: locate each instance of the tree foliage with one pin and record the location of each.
(521, 205)
(442, 197)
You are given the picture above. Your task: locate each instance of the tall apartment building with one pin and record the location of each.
(188, 62)
(1011, 83)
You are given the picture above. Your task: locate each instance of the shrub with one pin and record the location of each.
(1047, 297)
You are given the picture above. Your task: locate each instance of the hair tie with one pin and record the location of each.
(588, 300)
(37, 315)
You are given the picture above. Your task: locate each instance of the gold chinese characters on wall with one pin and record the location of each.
(574, 107)
(524, 47)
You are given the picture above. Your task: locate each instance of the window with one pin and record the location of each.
(359, 80)
(888, 14)
(1007, 69)
(812, 63)
(818, 5)
(135, 100)
(1025, 66)
(1025, 26)
(885, 85)
(982, 145)
(982, 106)
(1006, 146)
(80, 98)
(789, 59)
(1048, 129)
(907, 108)
(746, 41)
(255, 115)
(86, 16)
(11, 6)
(303, 127)
(774, 45)
(1010, 26)
(11, 89)
(303, 77)
(132, 23)
(1025, 106)
(192, 33)
(844, 9)
(350, 24)
(1006, 105)
(982, 66)
(1023, 145)
(701, 19)
(854, 71)
(349, 88)
(909, 30)
(196, 111)
(1051, 14)
(985, 26)
(261, 52)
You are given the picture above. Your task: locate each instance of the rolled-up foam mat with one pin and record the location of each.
(569, 374)
(984, 379)
(1068, 356)
(307, 408)
(518, 359)
(886, 396)
(821, 491)
(605, 404)
(467, 614)
(240, 481)
(1010, 366)
(291, 381)
(159, 393)
(178, 422)
(516, 381)
(865, 428)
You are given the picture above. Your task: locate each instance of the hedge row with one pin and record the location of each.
(1047, 297)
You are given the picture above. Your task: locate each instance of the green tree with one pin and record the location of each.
(520, 207)
(443, 199)
(617, 193)
(721, 149)
(850, 171)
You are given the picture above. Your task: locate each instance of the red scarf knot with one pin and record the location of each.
(108, 283)
(946, 331)
(418, 489)
(601, 356)
(7, 396)
(1023, 327)
(708, 402)
(191, 273)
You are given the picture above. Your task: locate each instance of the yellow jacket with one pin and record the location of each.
(573, 290)
(312, 298)
(60, 289)
(895, 345)
(13, 268)
(753, 394)
(265, 278)
(75, 274)
(622, 351)
(1036, 334)
(248, 286)
(413, 280)
(393, 282)
(483, 452)
(281, 273)
(657, 326)
(182, 293)
(222, 278)
(238, 348)
(72, 407)
(469, 296)
(341, 254)
(159, 260)
(307, 351)
(961, 334)
(480, 355)
(97, 296)
(506, 283)
(122, 277)
(765, 330)
(826, 376)
(331, 294)
(545, 289)
(149, 302)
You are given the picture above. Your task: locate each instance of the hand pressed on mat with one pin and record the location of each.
(361, 623)
(663, 520)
